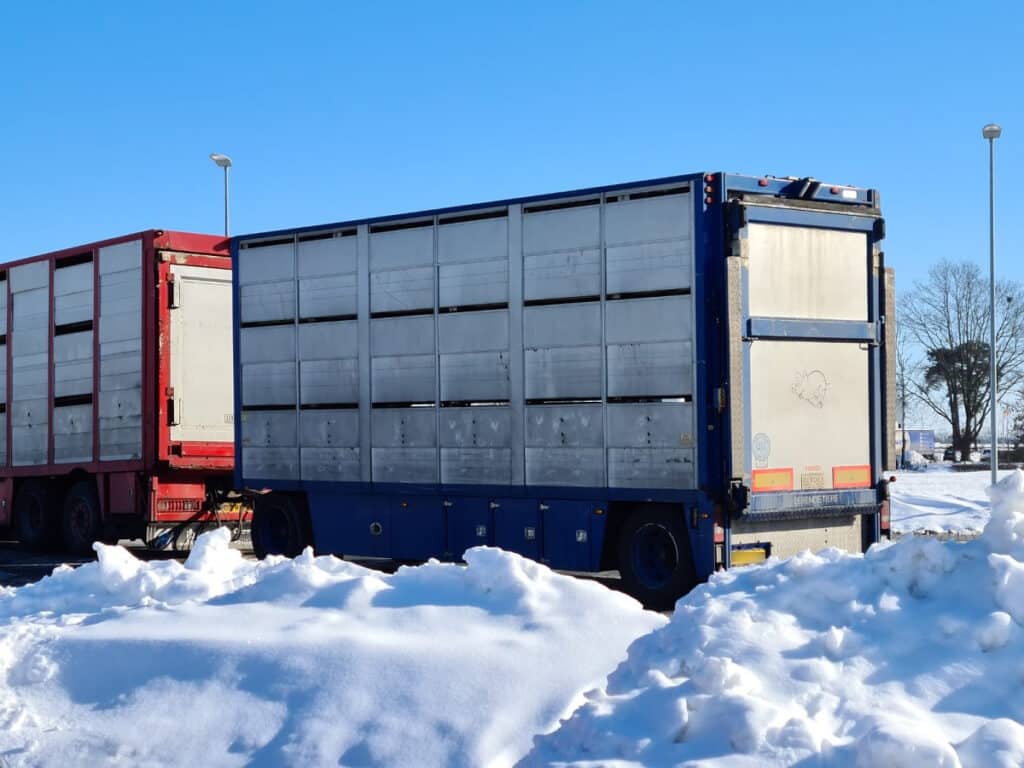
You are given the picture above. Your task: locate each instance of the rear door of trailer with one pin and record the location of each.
(804, 353)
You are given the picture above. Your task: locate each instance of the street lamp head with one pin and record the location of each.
(225, 162)
(990, 131)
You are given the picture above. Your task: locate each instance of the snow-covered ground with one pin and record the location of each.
(912, 655)
(938, 499)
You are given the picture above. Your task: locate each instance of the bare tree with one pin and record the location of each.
(946, 317)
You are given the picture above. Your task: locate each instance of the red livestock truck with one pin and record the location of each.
(116, 420)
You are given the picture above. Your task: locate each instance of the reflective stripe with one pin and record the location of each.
(772, 479)
(851, 477)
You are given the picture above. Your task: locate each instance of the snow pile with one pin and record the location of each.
(224, 661)
(912, 655)
(941, 500)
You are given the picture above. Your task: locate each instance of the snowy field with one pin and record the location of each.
(940, 500)
(912, 655)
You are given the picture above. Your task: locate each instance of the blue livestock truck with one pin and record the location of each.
(663, 378)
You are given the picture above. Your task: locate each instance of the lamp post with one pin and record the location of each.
(224, 162)
(992, 132)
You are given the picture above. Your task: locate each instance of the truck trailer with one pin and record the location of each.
(664, 378)
(117, 415)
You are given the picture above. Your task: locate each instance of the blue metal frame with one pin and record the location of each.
(792, 328)
(549, 508)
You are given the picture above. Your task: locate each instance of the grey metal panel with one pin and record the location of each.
(121, 257)
(402, 248)
(473, 331)
(564, 229)
(329, 381)
(475, 376)
(565, 325)
(328, 341)
(484, 282)
(329, 256)
(35, 274)
(120, 326)
(565, 426)
(263, 302)
(562, 275)
(72, 433)
(404, 379)
(30, 445)
(121, 424)
(404, 427)
(269, 429)
(72, 364)
(666, 318)
(482, 240)
(72, 294)
(121, 367)
(340, 465)
(268, 384)
(476, 466)
(28, 382)
(399, 290)
(121, 292)
(402, 335)
(404, 465)
(650, 468)
(271, 463)
(661, 369)
(649, 266)
(650, 425)
(327, 296)
(3, 362)
(482, 427)
(31, 323)
(266, 344)
(329, 429)
(565, 466)
(563, 372)
(29, 412)
(268, 263)
(651, 218)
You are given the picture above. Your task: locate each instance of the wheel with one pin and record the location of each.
(655, 560)
(81, 523)
(35, 515)
(280, 526)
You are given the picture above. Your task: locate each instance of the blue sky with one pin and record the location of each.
(338, 110)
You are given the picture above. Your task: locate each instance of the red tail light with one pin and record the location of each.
(883, 516)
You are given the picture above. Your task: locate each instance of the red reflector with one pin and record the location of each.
(883, 516)
(179, 505)
(762, 182)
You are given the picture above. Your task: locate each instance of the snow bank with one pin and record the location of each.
(223, 661)
(911, 655)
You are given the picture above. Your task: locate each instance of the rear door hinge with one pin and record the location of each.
(173, 299)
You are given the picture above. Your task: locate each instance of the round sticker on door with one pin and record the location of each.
(762, 449)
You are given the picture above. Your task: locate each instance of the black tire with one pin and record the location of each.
(655, 560)
(81, 523)
(36, 516)
(280, 526)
